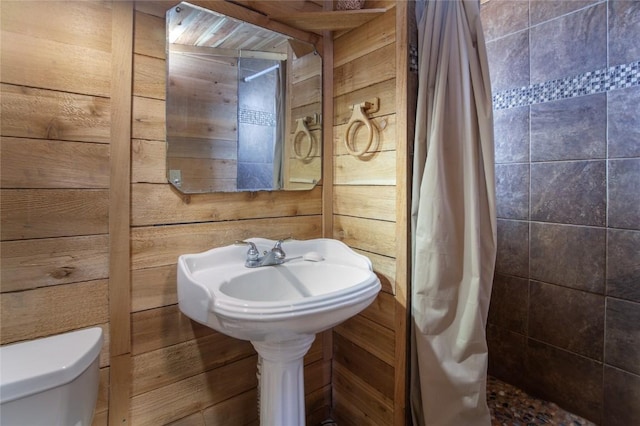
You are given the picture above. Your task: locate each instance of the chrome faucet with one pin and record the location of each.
(276, 256)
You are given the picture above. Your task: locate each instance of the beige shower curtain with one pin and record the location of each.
(453, 217)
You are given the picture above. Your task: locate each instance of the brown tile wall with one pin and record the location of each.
(564, 322)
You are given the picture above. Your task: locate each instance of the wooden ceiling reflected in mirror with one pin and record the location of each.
(243, 105)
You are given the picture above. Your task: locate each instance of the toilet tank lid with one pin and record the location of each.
(37, 365)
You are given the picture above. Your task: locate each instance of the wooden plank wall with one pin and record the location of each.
(370, 214)
(202, 117)
(182, 371)
(57, 174)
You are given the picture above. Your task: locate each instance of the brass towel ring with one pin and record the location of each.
(358, 118)
(299, 134)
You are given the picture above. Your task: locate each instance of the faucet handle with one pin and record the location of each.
(277, 249)
(252, 253)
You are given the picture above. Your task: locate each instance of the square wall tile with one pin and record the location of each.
(544, 10)
(624, 122)
(621, 396)
(572, 381)
(509, 303)
(506, 354)
(571, 256)
(623, 264)
(624, 31)
(512, 256)
(511, 135)
(622, 347)
(570, 129)
(509, 59)
(572, 192)
(556, 313)
(624, 193)
(512, 191)
(502, 17)
(569, 45)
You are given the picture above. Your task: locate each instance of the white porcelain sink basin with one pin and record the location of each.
(278, 308)
(275, 303)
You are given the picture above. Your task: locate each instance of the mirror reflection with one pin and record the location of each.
(243, 106)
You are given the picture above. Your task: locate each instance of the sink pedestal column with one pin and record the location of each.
(282, 381)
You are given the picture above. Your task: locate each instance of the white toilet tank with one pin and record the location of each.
(50, 381)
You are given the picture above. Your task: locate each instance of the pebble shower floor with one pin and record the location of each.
(510, 406)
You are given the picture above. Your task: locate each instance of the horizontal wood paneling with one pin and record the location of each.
(366, 234)
(148, 161)
(83, 70)
(378, 33)
(29, 264)
(385, 268)
(361, 363)
(372, 202)
(382, 310)
(156, 204)
(149, 76)
(378, 169)
(35, 163)
(162, 327)
(373, 406)
(153, 287)
(150, 36)
(51, 310)
(181, 398)
(384, 91)
(148, 119)
(155, 369)
(82, 23)
(43, 213)
(36, 113)
(156, 246)
(365, 71)
(239, 410)
(372, 337)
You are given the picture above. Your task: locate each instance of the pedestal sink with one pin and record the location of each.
(278, 308)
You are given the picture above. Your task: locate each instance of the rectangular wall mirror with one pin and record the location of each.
(243, 106)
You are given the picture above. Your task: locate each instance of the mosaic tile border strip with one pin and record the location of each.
(259, 118)
(588, 83)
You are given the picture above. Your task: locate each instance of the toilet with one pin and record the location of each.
(50, 381)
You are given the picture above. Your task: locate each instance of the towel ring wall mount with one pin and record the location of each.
(358, 119)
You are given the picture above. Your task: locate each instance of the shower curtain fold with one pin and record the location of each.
(452, 217)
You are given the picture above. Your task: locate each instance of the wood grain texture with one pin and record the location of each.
(163, 204)
(149, 76)
(372, 337)
(373, 68)
(150, 36)
(148, 161)
(385, 268)
(52, 310)
(156, 246)
(29, 264)
(384, 137)
(371, 202)
(148, 119)
(155, 369)
(195, 393)
(366, 234)
(374, 408)
(361, 363)
(406, 94)
(153, 287)
(35, 163)
(119, 188)
(43, 213)
(45, 114)
(385, 91)
(119, 383)
(377, 168)
(239, 410)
